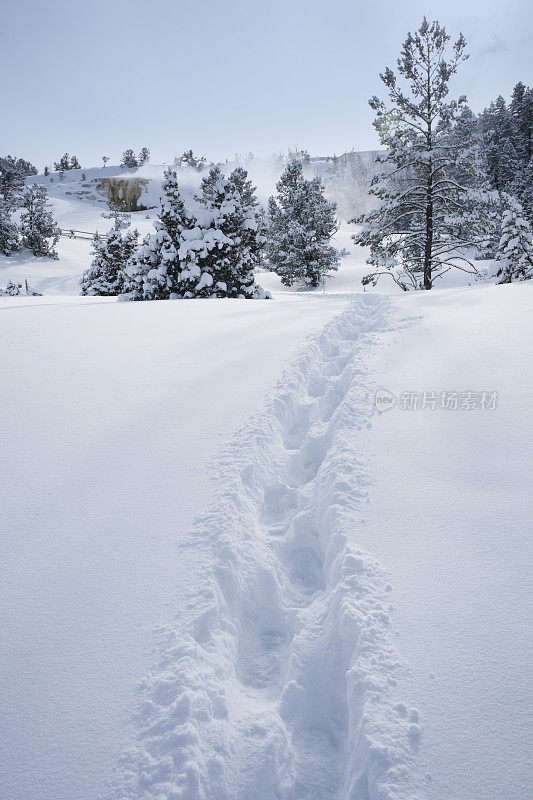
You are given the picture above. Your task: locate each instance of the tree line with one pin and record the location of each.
(213, 249)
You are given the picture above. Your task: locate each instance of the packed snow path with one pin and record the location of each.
(273, 681)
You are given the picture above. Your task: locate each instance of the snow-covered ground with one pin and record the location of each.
(215, 585)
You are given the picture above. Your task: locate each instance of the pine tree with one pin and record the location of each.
(301, 223)
(417, 233)
(190, 255)
(144, 156)
(516, 246)
(500, 144)
(128, 159)
(74, 163)
(521, 111)
(13, 172)
(40, 232)
(190, 160)
(470, 170)
(64, 163)
(236, 225)
(213, 189)
(156, 271)
(9, 235)
(46, 171)
(111, 258)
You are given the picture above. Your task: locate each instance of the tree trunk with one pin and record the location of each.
(429, 240)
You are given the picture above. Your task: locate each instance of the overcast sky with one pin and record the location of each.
(93, 77)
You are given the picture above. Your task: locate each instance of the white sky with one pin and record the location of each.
(93, 77)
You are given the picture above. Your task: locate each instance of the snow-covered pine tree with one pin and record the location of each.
(40, 232)
(74, 163)
(156, 270)
(111, 258)
(500, 144)
(9, 234)
(128, 159)
(144, 156)
(213, 189)
(13, 172)
(418, 232)
(516, 246)
(235, 230)
(301, 223)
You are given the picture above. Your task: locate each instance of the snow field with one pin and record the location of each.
(273, 681)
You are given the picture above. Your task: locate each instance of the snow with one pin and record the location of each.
(109, 413)
(226, 576)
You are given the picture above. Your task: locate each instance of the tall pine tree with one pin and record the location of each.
(300, 225)
(416, 234)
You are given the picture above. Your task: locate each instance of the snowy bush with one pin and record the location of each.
(12, 289)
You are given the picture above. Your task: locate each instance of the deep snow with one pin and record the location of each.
(336, 607)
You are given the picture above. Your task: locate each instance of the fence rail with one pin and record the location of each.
(71, 233)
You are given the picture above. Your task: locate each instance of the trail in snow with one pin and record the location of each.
(274, 681)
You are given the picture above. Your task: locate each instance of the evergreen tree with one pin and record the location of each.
(65, 163)
(213, 189)
(236, 217)
(144, 156)
(301, 223)
(9, 235)
(128, 159)
(190, 160)
(46, 171)
(190, 255)
(74, 163)
(156, 271)
(111, 258)
(40, 232)
(13, 172)
(500, 144)
(516, 246)
(418, 233)
(521, 111)
(470, 170)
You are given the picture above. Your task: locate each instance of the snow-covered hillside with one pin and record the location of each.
(225, 574)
